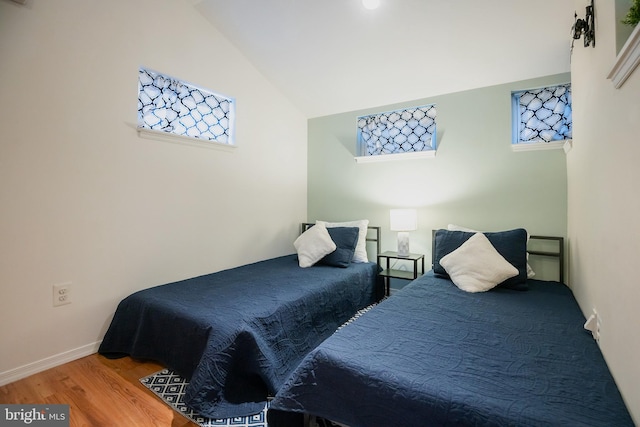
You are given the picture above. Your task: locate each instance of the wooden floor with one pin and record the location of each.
(100, 392)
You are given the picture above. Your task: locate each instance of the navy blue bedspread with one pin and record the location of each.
(433, 355)
(237, 334)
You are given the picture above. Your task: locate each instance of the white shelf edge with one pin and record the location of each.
(398, 156)
(627, 60)
(183, 140)
(538, 146)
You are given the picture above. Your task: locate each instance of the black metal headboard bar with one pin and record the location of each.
(373, 231)
(559, 253)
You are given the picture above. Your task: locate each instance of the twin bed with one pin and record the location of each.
(431, 354)
(237, 334)
(435, 355)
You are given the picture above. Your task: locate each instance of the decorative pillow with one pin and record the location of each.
(476, 266)
(346, 239)
(313, 245)
(453, 227)
(512, 245)
(360, 254)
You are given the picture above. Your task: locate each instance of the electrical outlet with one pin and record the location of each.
(598, 326)
(61, 294)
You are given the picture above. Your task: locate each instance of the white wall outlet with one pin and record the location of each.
(61, 294)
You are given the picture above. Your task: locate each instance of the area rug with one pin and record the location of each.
(170, 387)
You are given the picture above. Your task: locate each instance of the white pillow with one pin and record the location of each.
(453, 227)
(313, 245)
(476, 266)
(360, 254)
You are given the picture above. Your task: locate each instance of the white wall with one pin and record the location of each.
(85, 200)
(604, 201)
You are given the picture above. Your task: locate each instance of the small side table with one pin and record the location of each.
(389, 273)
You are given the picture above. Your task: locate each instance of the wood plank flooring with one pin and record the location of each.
(100, 392)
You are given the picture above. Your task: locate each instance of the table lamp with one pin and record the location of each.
(403, 221)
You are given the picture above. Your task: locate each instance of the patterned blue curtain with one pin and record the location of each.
(400, 131)
(170, 105)
(545, 114)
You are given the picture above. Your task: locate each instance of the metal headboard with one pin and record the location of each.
(559, 253)
(373, 235)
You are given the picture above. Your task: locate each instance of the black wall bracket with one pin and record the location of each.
(585, 27)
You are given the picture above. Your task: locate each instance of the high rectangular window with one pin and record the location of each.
(170, 105)
(399, 131)
(542, 115)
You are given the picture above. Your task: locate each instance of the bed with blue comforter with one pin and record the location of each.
(433, 354)
(237, 334)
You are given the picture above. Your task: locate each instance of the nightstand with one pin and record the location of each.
(388, 273)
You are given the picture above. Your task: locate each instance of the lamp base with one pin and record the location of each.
(403, 244)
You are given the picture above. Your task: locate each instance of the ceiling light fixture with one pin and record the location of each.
(371, 4)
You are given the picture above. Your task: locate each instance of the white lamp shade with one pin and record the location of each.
(404, 220)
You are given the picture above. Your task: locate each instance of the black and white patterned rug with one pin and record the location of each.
(170, 387)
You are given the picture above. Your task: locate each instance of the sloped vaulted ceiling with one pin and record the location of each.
(332, 56)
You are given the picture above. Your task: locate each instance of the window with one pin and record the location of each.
(169, 105)
(542, 115)
(410, 130)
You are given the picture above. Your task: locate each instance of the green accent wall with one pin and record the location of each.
(475, 180)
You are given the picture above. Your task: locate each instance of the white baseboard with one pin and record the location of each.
(24, 371)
